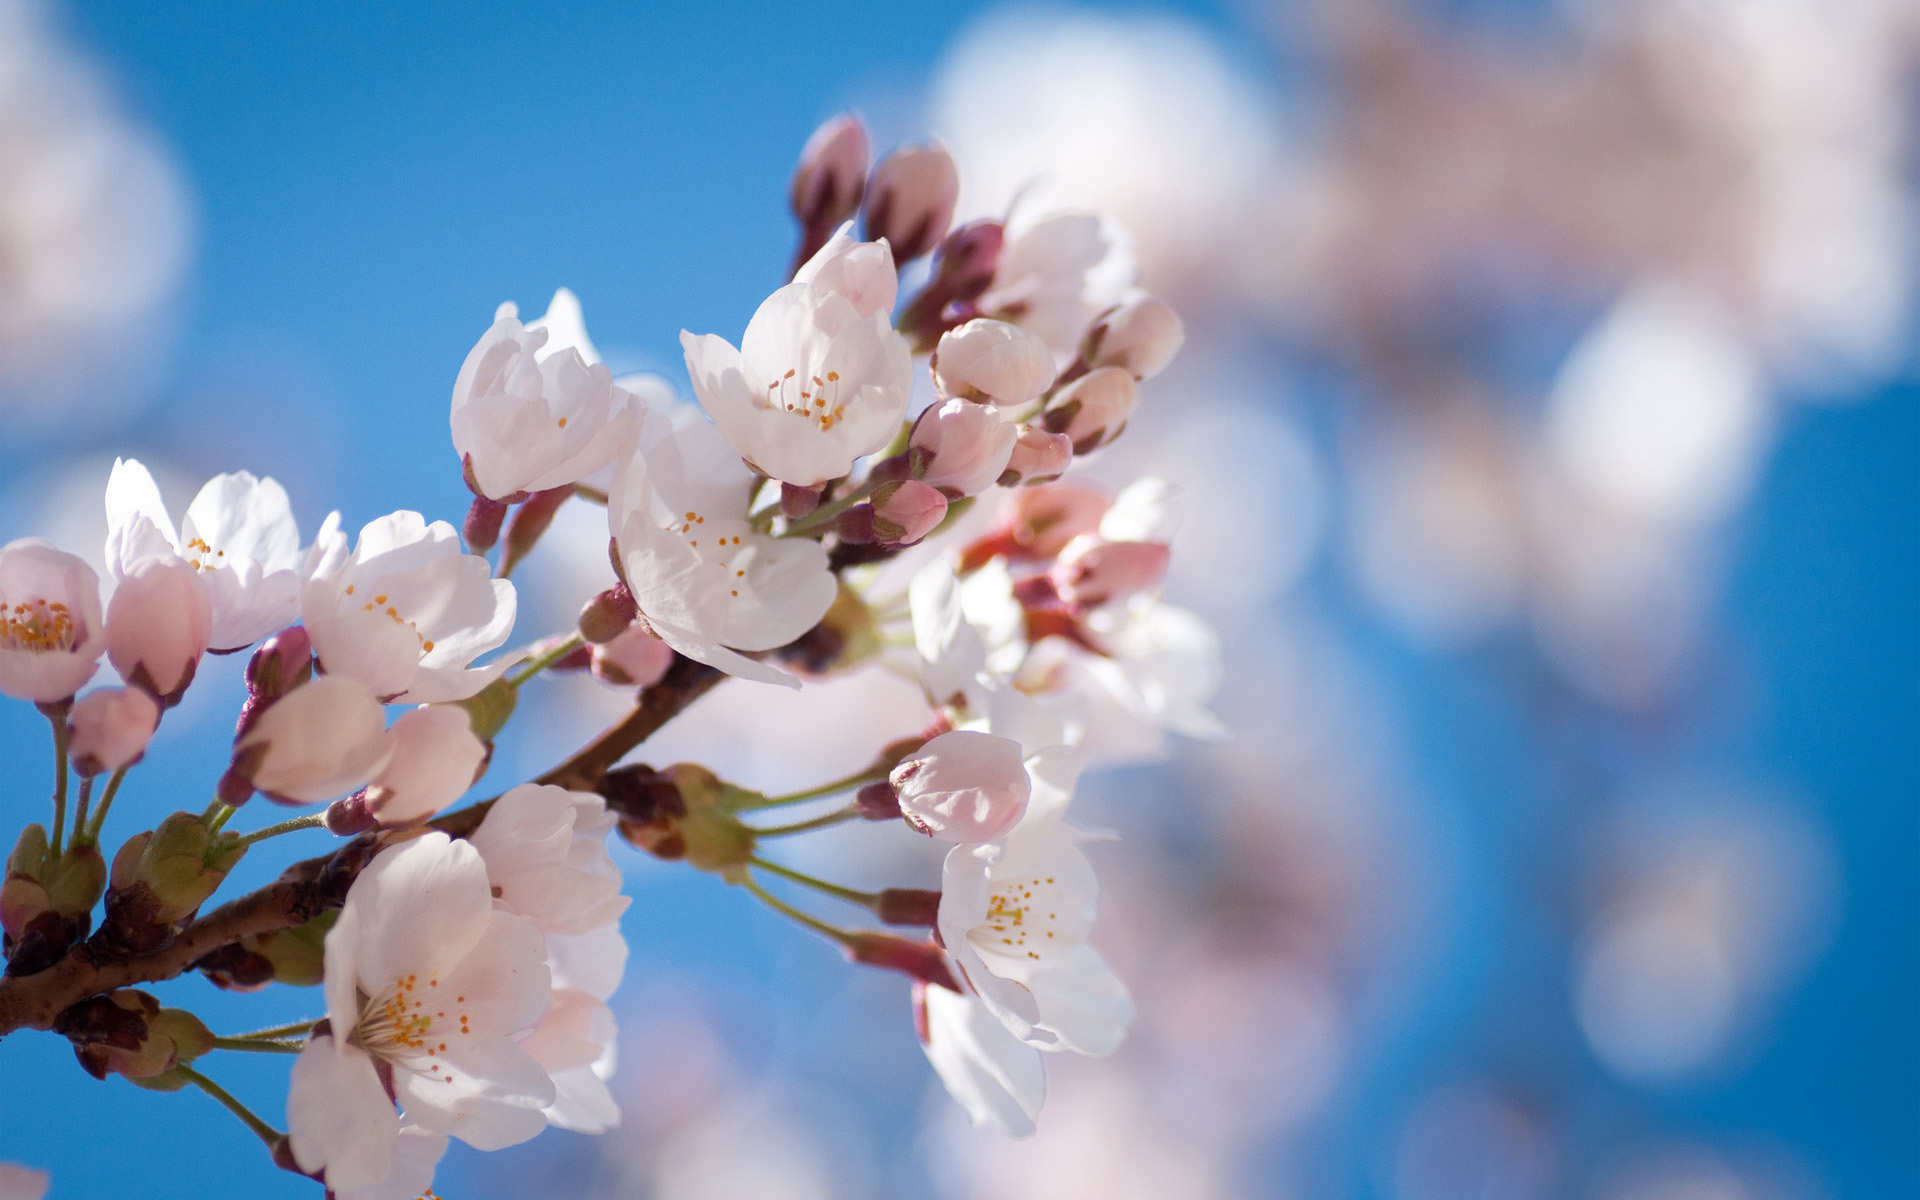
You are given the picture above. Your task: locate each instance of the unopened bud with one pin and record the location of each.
(127, 1033)
(297, 955)
(878, 802)
(910, 199)
(1038, 457)
(963, 786)
(832, 174)
(992, 362)
(906, 511)
(181, 863)
(908, 906)
(923, 961)
(969, 258)
(350, 815)
(797, 502)
(685, 819)
(961, 448)
(159, 624)
(109, 729)
(635, 658)
(1140, 336)
(46, 902)
(1091, 572)
(608, 614)
(1094, 409)
(1037, 523)
(481, 529)
(282, 663)
(531, 520)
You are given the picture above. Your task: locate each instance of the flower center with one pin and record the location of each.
(1017, 924)
(409, 1021)
(721, 548)
(379, 604)
(816, 402)
(37, 625)
(202, 556)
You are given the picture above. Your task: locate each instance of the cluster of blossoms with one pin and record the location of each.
(810, 517)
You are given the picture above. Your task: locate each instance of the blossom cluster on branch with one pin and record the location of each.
(811, 517)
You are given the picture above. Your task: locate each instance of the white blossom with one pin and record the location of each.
(1058, 273)
(1015, 914)
(862, 272)
(534, 408)
(51, 631)
(425, 974)
(814, 385)
(405, 612)
(996, 1077)
(992, 362)
(238, 533)
(706, 582)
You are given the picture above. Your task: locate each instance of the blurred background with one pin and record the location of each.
(1548, 424)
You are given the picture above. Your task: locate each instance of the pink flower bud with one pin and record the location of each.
(963, 786)
(51, 634)
(910, 199)
(110, 728)
(1141, 336)
(1038, 457)
(1094, 410)
(832, 173)
(1091, 572)
(634, 659)
(961, 448)
(159, 623)
(906, 511)
(604, 617)
(323, 739)
(862, 272)
(992, 362)
(435, 759)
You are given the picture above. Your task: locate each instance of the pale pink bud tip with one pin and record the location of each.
(1090, 572)
(1038, 457)
(910, 199)
(961, 448)
(1095, 409)
(1141, 337)
(110, 728)
(634, 659)
(992, 362)
(832, 174)
(906, 511)
(159, 623)
(963, 786)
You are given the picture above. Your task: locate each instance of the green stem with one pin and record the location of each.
(261, 1046)
(106, 802)
(858, 779)
(590, 493)
(212, 810)
(80, 810)
(827, 512)
(261, 1129)
(220, 818)
(297, 1029)
(59, 778)
(866, 900)
(537, 665)
(310, 821)
(835, 817)
(789, 911)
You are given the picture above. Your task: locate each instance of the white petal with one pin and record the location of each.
(338, 1116)
(997, 1078)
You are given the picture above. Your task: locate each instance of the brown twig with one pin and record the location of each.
(310, 887)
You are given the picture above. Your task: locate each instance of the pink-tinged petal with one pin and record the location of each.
(997, 1078)
(339, 1119)
(1083, 1003)
(527, 840)
(325, 738)
(137, 522)
(590, 962)
(573, 1032)
(487, 1092)
(421, 907)
(502, 985)
(583, 1102)
(341, 959)
(783, 587)
(435, 756)
(416, 1155)
(22, 1183)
